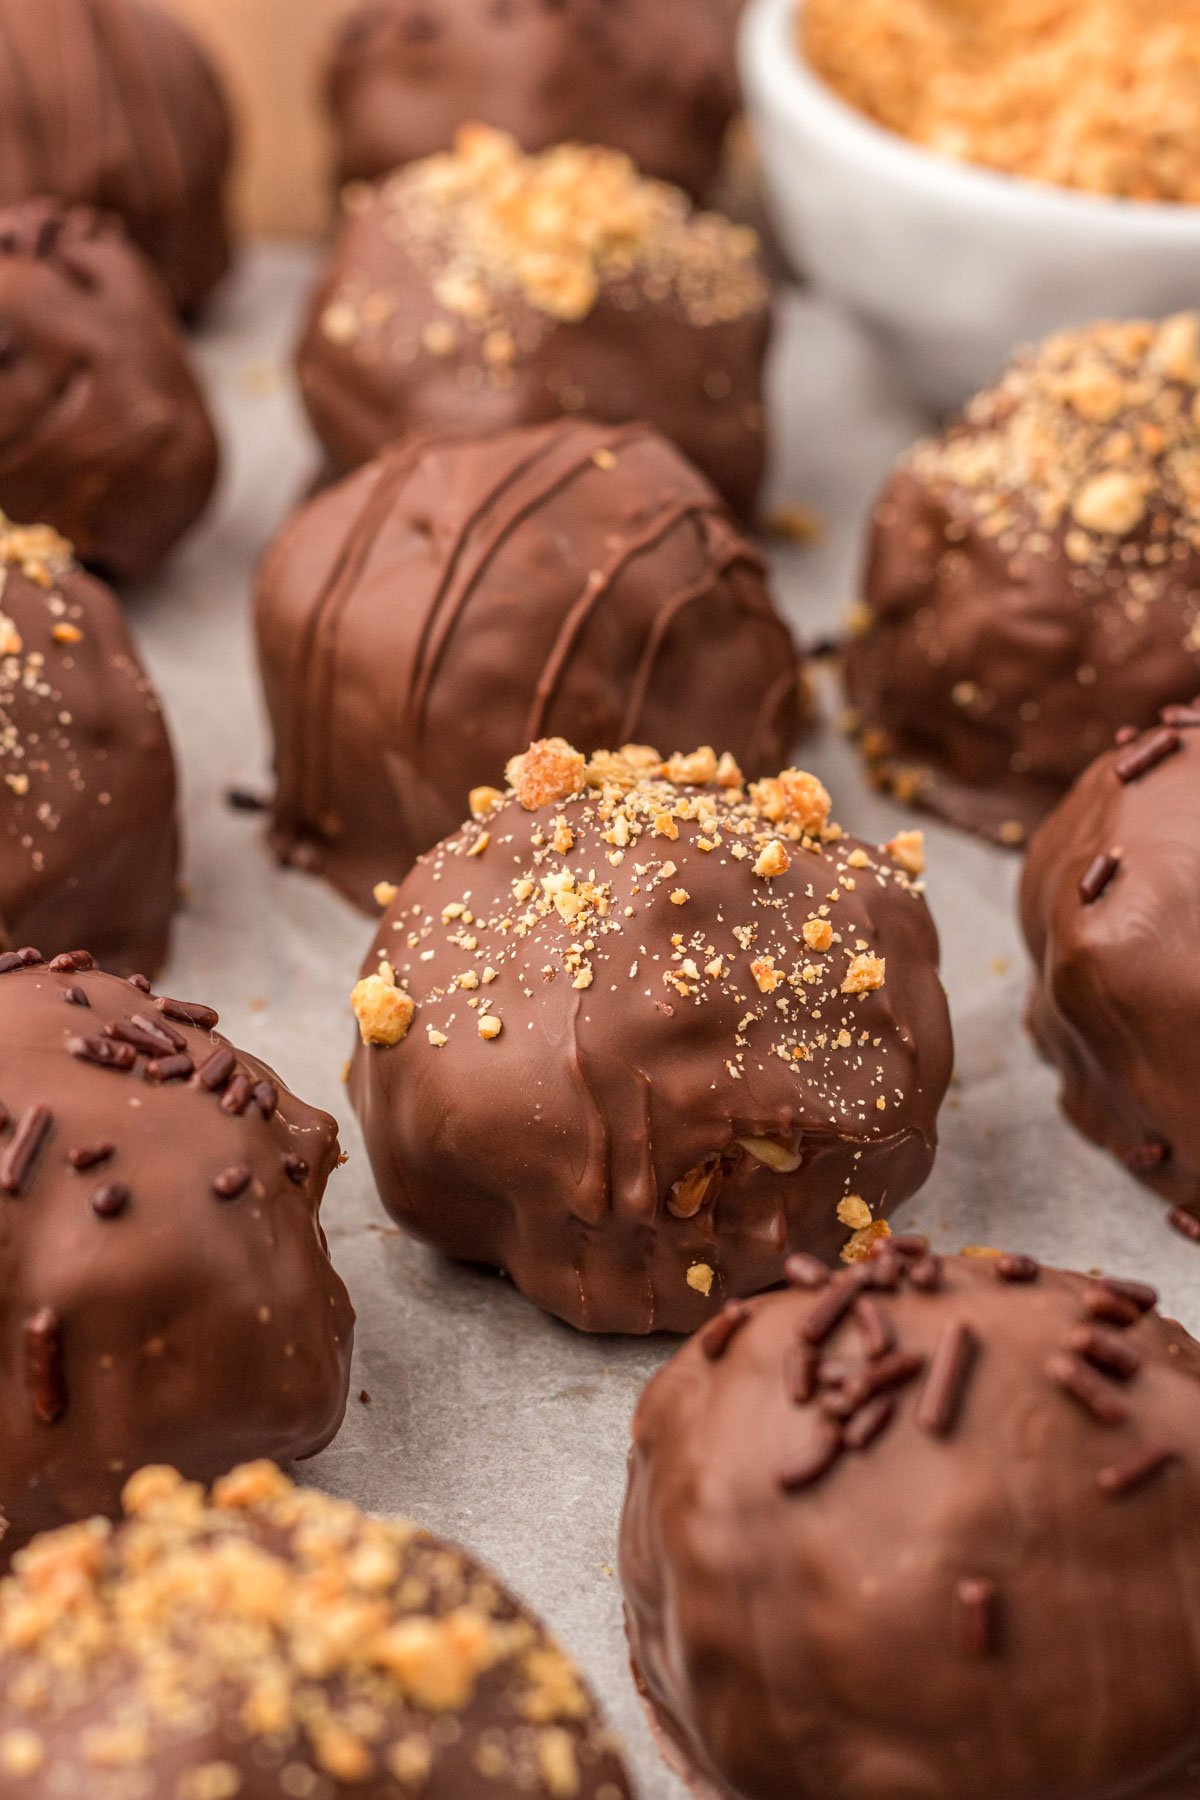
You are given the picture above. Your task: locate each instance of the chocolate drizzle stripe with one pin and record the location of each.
(945, 1385)
(21, 1152)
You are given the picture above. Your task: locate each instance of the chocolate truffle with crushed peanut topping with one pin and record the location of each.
(458, 597)
(1034, 578)
(1110, 903)
(268, 1643)
(483, 289)
(655, 79)
(168, 1292)
(640, 1030)
(87, 778)
(873, 1522)
(107, 436)
(112, 103)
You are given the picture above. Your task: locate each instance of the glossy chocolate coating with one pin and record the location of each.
(1032, 578)
(112, 103)
(388, 351)
(171, 1299)
(87, 776)
(655, 79)
(1110, 902)
(107, 436)
(991, 1588)
(268, 1642)
(452, 601)
(682, 1089)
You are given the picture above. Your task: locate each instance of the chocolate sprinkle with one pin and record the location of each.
(295, 1168)
(868, 1422)
(1097, 876)
(1185, 1223)
(828, 1312)
(89, 1156)
(978, 1616)
(188, 1012)
(215, 1071)
(874, 1327)
(169, 1068)
(718, 1334)
(236, 1180)
(75, 996)
(1016, 1268)
(107, 1053)
(21, 1153)
(804, 1271)
(43, 1364)
(111, 1200)
(800, 1373)
(72, 962)
(1111, 1354)
(946, 1383)
(1088, 1389)
(1135, 1470)
(266, 1098)
(806, 1469)
(1147, 754)
(236, 1097)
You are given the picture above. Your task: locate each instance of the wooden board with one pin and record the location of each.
(270, 52)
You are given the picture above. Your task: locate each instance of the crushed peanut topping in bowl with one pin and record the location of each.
(1100, 95)
(1094, 433)
(329, 1643)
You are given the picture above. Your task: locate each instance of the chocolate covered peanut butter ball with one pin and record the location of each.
(168, 1292)
(483, 289)
(267, 1643)
(1110, 903)
(655, 79)
(107, 435)
(113, 104)
(639, 1030)
(87, 778)
(921, 1531)
(1034, 578)
(458, 597)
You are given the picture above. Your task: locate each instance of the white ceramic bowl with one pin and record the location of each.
(949, 264)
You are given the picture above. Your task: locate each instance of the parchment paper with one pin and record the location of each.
(487, 1422)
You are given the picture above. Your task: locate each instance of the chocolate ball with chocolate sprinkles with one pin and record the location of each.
(87, 778)
(168, 1292)
(112, 103)
(922, 1529)
(107, 434)
(1110, 904)
(640, 1030)
(483, 289)
(264, 1642)
(1033, 581)
(655, 79)
(457, 597)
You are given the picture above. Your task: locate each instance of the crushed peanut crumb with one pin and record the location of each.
(383, 1010)
(1092, 94)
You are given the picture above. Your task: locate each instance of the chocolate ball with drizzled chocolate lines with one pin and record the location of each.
(923, 1529)
(168, 1293)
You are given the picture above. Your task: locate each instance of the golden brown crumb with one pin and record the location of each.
(383, 1010)
(1093, 434)
(359, 1641)
(1096, 94)
(549, 770)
